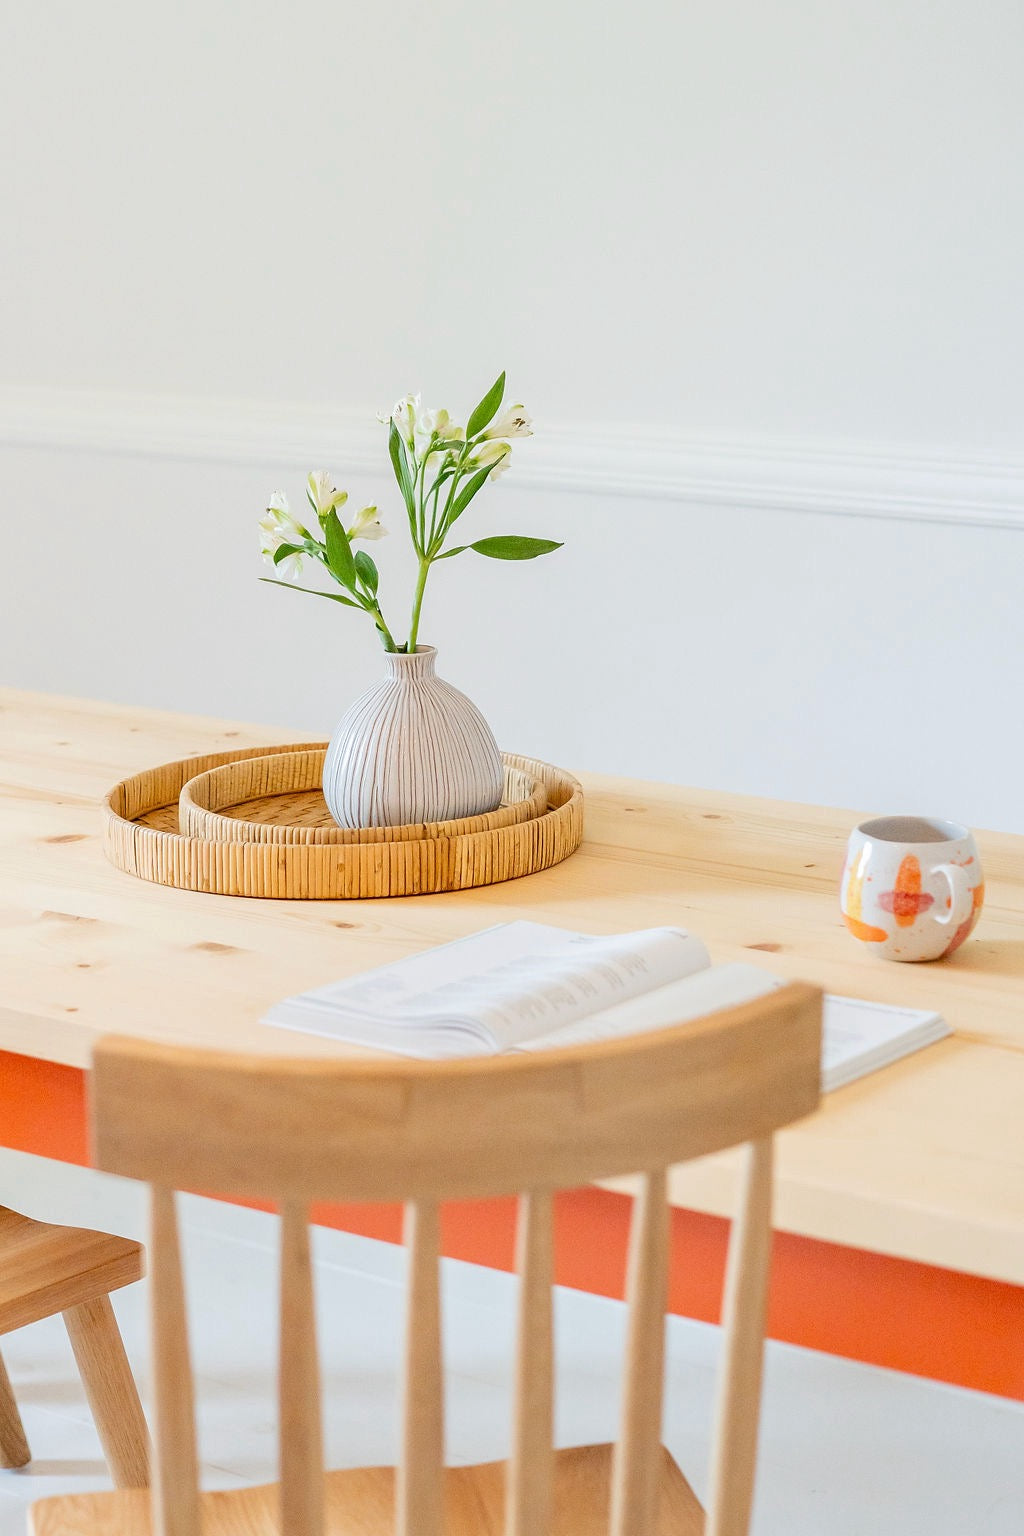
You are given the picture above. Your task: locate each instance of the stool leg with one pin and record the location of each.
(14, 1451)
(110, 1388)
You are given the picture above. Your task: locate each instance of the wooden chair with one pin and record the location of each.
(44, 1270)
(421, 1132)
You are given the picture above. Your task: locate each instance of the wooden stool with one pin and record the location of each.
(43, 1270)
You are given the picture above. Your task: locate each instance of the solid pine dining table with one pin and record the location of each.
(899, 1205)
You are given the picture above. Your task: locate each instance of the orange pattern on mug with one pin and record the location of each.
(855, 905)
(906, 901)
(966, 928)
(919, 879)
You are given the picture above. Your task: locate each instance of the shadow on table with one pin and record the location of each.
(992, 957)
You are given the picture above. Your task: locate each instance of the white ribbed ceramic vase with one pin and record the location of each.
(412, 748)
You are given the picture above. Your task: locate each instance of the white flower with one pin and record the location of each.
(323, 497)
(277, 527)
(515, 422)
(498, 454)
(367, 525)
(449, 430)
(429, 423)
(279, 524)
(435, 423)
(404, 417)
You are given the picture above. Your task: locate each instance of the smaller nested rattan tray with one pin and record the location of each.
(278, 799)
(142, 836)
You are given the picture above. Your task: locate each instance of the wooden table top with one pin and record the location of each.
(924, 1160)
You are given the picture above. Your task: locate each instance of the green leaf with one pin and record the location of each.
(333, 597)
(467, 493)
(339, 551)
(488, 407)
(449, 552)
(307, 547)
(284, 550)
(443, 475)
(403, 474)
(367, 571)
(511, 547)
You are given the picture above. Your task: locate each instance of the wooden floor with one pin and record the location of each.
(847, 1449)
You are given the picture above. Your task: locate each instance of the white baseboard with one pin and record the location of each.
(903, 483)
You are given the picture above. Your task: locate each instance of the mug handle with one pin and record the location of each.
(961, 897)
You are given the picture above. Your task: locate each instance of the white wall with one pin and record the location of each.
(755, 269)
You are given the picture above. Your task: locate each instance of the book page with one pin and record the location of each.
(857, 1037)
(537, 991)
(494, 988)
(723, 986)
(532, 986)
(860, 1037)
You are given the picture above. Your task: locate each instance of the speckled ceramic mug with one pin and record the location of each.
(911, 887)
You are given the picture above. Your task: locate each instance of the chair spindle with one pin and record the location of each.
(300, 1429)
(637, 1463)
(175, 1462)
(420, 1482)
(528, 1493)
(734, 1454)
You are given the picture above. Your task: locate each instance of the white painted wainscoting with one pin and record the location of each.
(814, 622)
(856, 480)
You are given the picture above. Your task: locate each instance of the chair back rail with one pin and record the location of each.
(420, 1493)
(301, 1432)
(394, 1129)
(175, 1462)
(738, 1409)
(424, 1132)
(528, 1485)
(635, 1471)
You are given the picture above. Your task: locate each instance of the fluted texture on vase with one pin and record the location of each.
(412, 748)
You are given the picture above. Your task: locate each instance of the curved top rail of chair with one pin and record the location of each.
(390, 1128)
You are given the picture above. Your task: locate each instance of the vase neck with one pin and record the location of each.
(411, 668)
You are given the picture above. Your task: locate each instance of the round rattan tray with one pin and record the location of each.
(278, 799)
(141, 836)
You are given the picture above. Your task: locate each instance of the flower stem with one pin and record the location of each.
(386, 636)
(417, 604)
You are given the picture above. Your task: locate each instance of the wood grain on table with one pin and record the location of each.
(924, 1160)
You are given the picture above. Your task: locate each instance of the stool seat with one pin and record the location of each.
(361, 1503)
(46, 1269)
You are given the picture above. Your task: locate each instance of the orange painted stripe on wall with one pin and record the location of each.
(865, 1306)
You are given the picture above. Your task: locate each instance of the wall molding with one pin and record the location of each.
(839, 479)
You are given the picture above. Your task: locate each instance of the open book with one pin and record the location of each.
(529, 987)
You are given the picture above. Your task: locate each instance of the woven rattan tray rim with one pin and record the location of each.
(297, 871)
(204, 802)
